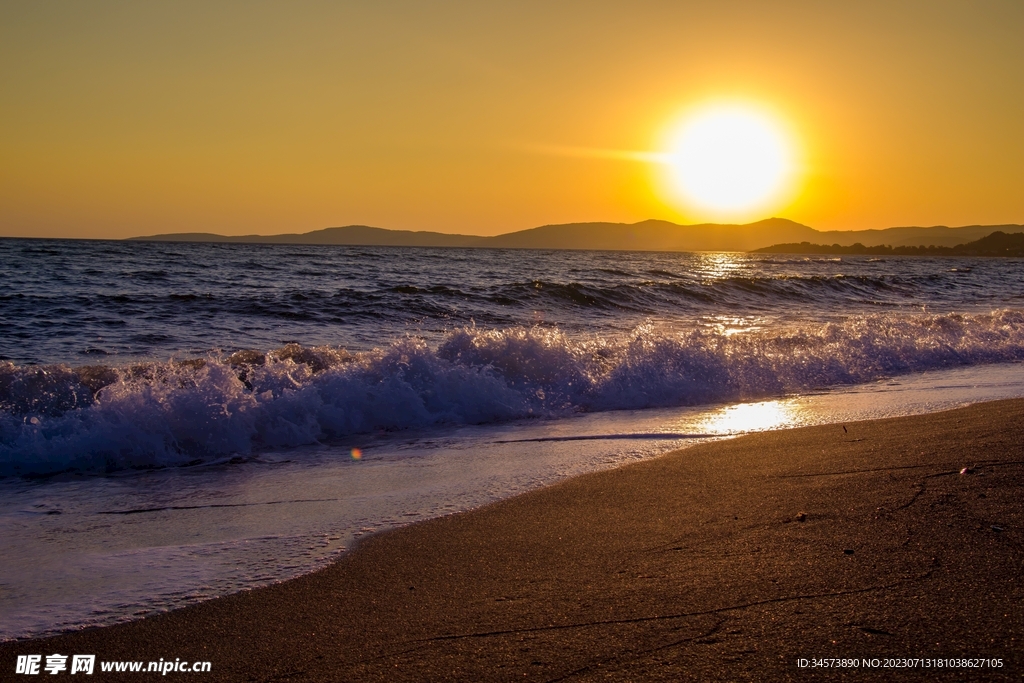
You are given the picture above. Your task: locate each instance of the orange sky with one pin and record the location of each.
(128, 118)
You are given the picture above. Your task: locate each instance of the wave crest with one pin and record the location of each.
(101, 419)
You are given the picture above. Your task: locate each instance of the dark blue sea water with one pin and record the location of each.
(133, 354)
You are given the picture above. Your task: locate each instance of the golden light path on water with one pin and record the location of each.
(716, 266)
(752, 417)
(719, 266)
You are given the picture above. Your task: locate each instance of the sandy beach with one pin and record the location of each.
(891, 539)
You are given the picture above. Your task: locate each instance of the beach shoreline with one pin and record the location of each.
(893, 539)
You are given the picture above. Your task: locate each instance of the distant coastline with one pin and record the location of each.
(996, 244)
(651, 235)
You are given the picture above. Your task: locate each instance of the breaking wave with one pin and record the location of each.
(101, 419)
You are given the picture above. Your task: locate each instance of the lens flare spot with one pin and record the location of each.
(357, 454)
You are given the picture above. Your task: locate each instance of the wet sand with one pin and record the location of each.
(725, 561)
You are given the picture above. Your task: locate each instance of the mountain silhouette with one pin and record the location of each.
(649, 235)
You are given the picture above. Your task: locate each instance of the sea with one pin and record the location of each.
(180, 421)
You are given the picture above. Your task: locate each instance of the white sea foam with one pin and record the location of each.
(56, 418)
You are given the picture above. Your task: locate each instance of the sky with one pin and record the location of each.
(120, 119)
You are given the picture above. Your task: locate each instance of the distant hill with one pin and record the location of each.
(651, 235)
(940, 235)
(996, 244)
(354, 235)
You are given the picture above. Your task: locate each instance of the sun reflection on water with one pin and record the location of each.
(728, 325)
(714, 266)
(752, 417)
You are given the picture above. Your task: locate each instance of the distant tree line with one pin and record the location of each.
(997, 244)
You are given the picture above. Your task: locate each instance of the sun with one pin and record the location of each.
(729, 160)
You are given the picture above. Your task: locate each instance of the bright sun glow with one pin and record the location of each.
(730, 159)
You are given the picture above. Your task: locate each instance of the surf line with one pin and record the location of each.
(136, 511)
(666, 436)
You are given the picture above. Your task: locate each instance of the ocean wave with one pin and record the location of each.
(652, 297)
(101, 418)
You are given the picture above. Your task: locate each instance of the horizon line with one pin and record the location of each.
(513, 232)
